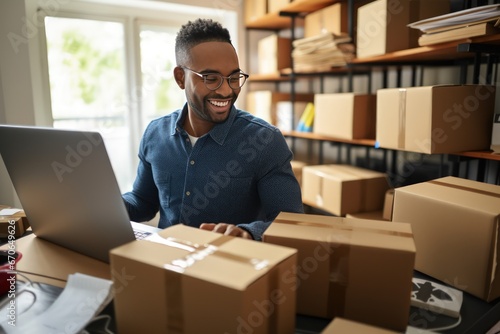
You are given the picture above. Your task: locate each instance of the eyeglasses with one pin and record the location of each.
(214, 80)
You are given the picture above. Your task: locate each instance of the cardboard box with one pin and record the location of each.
(333, 19)
(352, 268)
(297, 167)
(189, 280)
(345, 326)
(345, 115)
(455, 223)
(274, 6)
(342, 189)
(370, 215)
(388, 205)
(264, 103)
(435, 119)
(254, 9)
(274, 54)
(18, 228)
(382, 24)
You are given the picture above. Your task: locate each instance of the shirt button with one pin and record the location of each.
(188, 193)
(192, 162)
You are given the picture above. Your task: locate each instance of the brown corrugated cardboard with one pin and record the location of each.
(341, 189)
(371, 215)
(274, 54)
(388, 204)
(455, 223)
(11, 226)
(345, 115)
(382, 24)
(189, 280)
(345, 326)
(254, 9)
(297, 167)
(352, 268)
(435, 119)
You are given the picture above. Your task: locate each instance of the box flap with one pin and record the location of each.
(351, 231)
(207, 255)
(344, 172)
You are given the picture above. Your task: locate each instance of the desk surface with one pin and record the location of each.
(48, 263)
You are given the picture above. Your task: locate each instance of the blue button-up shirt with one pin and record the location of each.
(238, 173)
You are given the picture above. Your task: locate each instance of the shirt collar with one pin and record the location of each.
(219, 131)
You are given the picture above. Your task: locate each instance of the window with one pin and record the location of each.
(114, 74)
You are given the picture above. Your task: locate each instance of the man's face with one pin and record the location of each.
(211, 105)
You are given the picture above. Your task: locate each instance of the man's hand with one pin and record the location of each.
(226, 229)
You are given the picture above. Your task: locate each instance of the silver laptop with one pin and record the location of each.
(68, 189)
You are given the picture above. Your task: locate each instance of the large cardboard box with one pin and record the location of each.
(345, 326)
(345, 115)
(342, 189)
(333, 19)
(435, 119)
(254, 9)
(382, 24)
(352, 268)
(188, 280)
(455, 223)
(274, 54)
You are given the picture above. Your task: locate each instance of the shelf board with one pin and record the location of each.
(286, 74)
(275, 21)
(487, 155)
(315, 136)
(268, 77)
(441, 51)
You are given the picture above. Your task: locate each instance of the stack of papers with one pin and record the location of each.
(474, 22)
(321, 52)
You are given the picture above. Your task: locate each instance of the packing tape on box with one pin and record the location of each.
(197, 252)
(402, 119)
(341, 226)
(465, 188)
(339, 264)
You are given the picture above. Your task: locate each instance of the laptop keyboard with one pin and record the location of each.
(141, 234)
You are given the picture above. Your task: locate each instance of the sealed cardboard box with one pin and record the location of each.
(254, 9)
(331, 19)
(371, 215)
(345, 326)
(188, 280)
(342, 189)
(274, 54)
(455, 224)
(435, 119)
(349, 267)
(345, 115)
(382, 24)
(388, 204)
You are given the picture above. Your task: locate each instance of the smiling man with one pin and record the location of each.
(209, 164)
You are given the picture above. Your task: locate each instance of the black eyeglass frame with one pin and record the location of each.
(205, 75)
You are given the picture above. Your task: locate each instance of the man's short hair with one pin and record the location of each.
(196, 32)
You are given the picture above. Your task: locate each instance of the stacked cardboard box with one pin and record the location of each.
(342, 189)
(455, 223)
(187, 280)
(352, 268)
(435, 119)
(345, 115)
